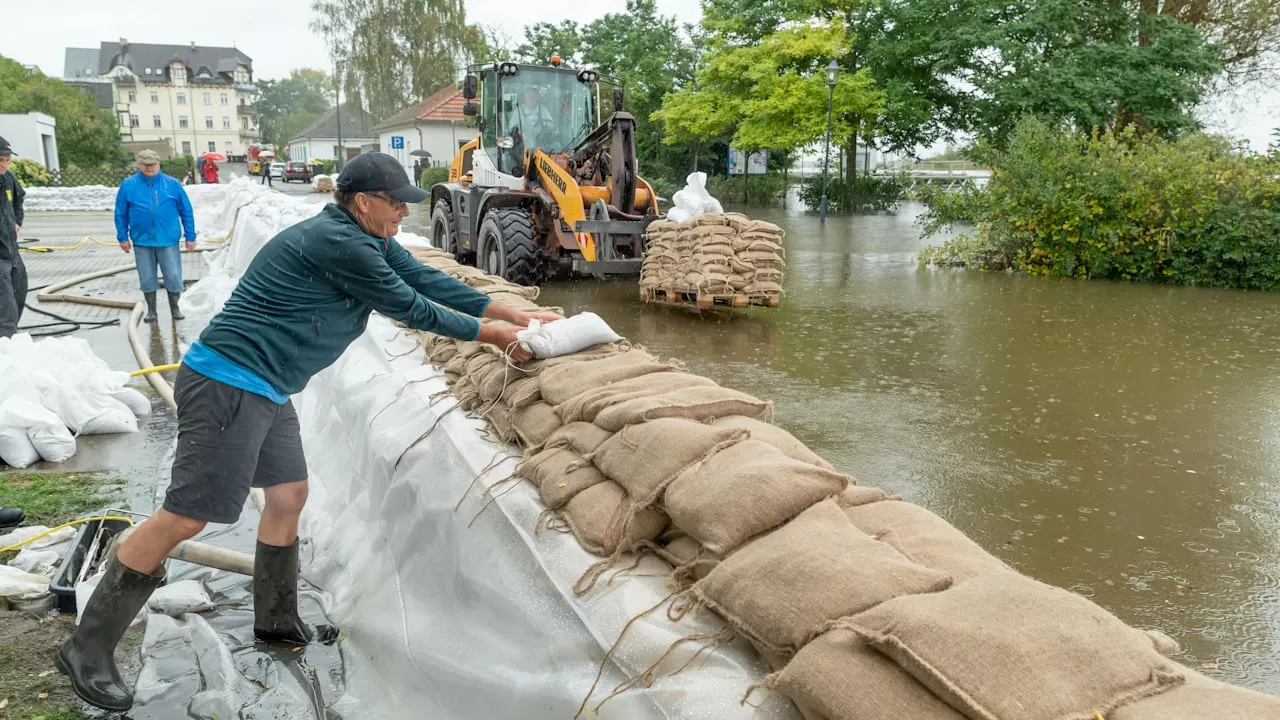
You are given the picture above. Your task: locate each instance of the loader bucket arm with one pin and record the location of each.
(564, 190)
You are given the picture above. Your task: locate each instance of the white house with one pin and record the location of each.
(434, 126)
(32, 136)
(319, 140)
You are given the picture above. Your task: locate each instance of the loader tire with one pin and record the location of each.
(507, 247)
(443, 234)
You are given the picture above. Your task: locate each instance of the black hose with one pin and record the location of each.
(71, 325)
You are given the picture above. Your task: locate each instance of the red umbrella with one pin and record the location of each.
(214, 156)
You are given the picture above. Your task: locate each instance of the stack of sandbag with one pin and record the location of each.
(863, 604)
(718, 254)
(661, 255)
(759, 245)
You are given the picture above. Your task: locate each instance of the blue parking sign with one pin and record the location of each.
(397, 142)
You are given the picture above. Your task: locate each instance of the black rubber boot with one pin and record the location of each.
(11, 516)
(151, 307)
(87, 657)
(174, 297)
(275, 596)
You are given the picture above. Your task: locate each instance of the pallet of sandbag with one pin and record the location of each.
(662, 296)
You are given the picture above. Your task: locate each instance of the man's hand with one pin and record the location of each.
(523, 318)
(504, 338)
(18, 228)
(191, 246)
(498, 311)
(126, 246)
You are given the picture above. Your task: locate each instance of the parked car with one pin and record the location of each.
(277, 170)
(297, 171)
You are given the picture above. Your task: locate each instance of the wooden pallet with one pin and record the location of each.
(708, 300)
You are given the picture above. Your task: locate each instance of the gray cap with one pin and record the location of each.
(148, 157)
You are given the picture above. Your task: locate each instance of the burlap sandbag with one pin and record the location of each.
(529, 292)
(565, 381)
(494, 380)
(715, 248)
(838, 676)
(596, 516)
(692, 403)
(763, 288)
(925, 538)
(780, 589)
(856, 495)
(443, 353)
(466, 392)
(736, 220)
(645, 458)
(711, 219)
(534, 423)
(499, 417)
(588, 405)
(744, 490)
(775, 436)
(457, 364)
(1005, 647)
(583, 438)
(522, 391)
(1202, 698)
(560, 474)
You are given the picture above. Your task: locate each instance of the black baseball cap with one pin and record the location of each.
(379, 172)
(6, 148)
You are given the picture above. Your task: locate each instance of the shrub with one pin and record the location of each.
(433, 176)
(30, 173)
(1193, 211)
(761, 190)
(869, 193)
(178, 166)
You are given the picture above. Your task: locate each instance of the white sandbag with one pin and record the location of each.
(111, 416)
(36, 562)
(48, 542)
(563, 337)
(16, 449)
(183, 597)
(679, 214)
(20, 585)
(137, 403)
(694, 198)
(47, 435)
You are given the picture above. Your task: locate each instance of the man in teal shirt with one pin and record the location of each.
(305, 297)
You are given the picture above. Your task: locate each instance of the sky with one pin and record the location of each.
(276, 34)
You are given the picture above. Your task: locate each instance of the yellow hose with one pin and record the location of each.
(63, 525)
(158, 368)
(52, 248)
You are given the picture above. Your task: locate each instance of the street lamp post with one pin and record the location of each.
(833, 74)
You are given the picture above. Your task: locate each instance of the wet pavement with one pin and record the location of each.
(1116, 439)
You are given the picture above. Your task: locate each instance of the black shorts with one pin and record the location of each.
(228, 441)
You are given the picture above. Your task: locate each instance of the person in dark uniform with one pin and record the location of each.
(13, 274)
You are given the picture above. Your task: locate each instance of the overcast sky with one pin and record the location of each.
(276, 35)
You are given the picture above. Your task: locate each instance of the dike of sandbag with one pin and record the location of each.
(864, 605)
(715, 259)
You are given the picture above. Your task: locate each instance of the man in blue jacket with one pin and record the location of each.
(305, 297)
(149, 206)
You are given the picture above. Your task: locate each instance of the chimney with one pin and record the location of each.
(193, 46)
(124, 44)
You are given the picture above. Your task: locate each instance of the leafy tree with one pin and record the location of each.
(287, 106)
(544, 39)
(87, 134)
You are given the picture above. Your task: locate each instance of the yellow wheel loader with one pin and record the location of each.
(548, 188)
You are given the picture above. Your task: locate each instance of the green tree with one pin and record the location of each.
(87, 134)
(287, 106)
(544, 39)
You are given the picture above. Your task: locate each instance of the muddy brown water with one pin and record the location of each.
(1117, 439)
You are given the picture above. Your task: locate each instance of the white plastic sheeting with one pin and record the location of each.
(450, 609)
(693, 200)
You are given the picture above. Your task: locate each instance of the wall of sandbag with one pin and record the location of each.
(716, 254)
(866, 606)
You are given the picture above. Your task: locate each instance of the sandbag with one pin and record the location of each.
(744, 490)
(560, 474)
(692, 403)
(775, 436)
(534, 423)
(1200, 698)
(644, 458)
(180, 598)
(856, 495)
(583, 438)
(587, 405)
(596, 516)
(563, 382)
(1006, 647)
(925, 538)
(494, 380)
(499, 416)
(567, 336)
(27, 427)
(522, 391)
(840, 676)
(780, 589)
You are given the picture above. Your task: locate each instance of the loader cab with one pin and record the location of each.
(523, 107)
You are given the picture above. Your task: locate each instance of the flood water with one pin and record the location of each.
(1119, 440)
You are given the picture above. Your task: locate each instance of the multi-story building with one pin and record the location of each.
(197, 99)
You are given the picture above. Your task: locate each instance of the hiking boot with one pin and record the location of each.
(11, 516)
(151, 307)
(87, 657)
(275, 596)
(174, 312)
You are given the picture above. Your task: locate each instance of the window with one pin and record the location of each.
(182, 121)
(208, 98)
(122, 73)
(208, 122)
(133, 96)
(226, 123)
(133, 121)
(155, 121)
(186, 147)
(155, 97)
(182, 98)
(228, 147)
(179, 73)
(244, 123)
(223, 97)
(213, 146)
(147, 71)
(242, 76)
